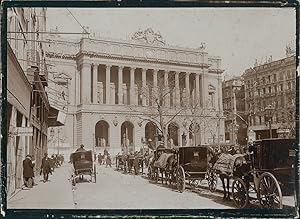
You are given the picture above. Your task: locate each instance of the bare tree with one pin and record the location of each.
(161, 108)
(195, 116)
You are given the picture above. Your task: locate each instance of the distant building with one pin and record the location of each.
(270, 97)
(234, 111)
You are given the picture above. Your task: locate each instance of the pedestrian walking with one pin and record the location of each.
(108, 160)
(45, 167)
(28, 172)
(52, 163)
(136, 164)
(100, 158)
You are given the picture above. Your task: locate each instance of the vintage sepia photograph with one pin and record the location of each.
(151, 108)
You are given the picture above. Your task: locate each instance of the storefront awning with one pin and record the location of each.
(56, 117)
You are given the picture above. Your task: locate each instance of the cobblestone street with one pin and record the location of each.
(125, 191)
(116, 190)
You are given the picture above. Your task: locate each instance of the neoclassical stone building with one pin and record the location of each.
(107, 81)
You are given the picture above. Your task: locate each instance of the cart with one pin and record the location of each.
(83, 165)
(152, 170)
(271, 172)
(193, 167)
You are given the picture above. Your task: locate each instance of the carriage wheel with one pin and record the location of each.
(212, 181)
(95, 173)
(269, 192)
(240, 194)
(180, 175)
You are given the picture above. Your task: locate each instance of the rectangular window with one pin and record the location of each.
(263, 80)
(270, 90)
(269, 79)
(281, 76)
(274, 78)
(281, 87)
(264, 90)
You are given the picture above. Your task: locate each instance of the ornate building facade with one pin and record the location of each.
(107, 105)
(270, 97)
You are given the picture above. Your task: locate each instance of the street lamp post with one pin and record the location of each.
(269, 111)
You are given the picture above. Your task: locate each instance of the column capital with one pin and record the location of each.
(107, 65)
(132, 68)
(86, 64)
(121, 66)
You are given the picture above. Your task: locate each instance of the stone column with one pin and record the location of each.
(197, 99)
(86, 83)
(132, 90)
(95, 80)
(187, 88)
(107, 84)
(203, 98)
(155, 88)
(177, 93)
(120, 85)
(167, 90)
(144, 88)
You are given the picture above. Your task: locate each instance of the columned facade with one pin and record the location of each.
(118, 82)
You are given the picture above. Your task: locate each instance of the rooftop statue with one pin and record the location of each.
(148, 36)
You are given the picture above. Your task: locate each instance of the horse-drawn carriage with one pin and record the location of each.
(83, 165)
(183, 164)
(159, 161)
(266, 170)
(120, 162)
(193, 166)
(128, 162)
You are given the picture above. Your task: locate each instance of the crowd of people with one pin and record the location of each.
(48, 165)
(104, 159)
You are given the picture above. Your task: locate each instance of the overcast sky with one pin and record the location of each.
(238, 35)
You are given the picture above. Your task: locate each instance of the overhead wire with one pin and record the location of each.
(77, 20)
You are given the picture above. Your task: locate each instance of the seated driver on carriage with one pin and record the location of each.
(81, 148)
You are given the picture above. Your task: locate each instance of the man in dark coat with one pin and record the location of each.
(81, 148)
(46, 167)
(28, 171)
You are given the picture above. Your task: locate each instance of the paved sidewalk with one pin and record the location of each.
(56, 193)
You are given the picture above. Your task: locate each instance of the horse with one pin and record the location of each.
(168, 170)
(240, 169)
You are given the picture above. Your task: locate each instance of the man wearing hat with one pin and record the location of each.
(46, 167)
(81, 148)
(28, 174)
